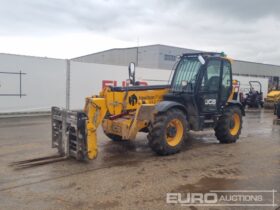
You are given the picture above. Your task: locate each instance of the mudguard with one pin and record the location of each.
(163, 106)
(237, 103)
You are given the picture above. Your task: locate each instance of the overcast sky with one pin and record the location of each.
(243, 29)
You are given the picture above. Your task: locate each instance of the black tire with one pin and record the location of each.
(113, 137)
(162, 126)
(225, 130)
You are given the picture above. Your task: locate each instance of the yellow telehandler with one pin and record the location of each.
(201, 95)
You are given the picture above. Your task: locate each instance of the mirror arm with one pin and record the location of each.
(131, 72)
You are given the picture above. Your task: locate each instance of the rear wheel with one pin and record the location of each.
(168, 132)
(229, 125)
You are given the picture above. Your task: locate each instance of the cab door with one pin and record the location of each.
(208, 95)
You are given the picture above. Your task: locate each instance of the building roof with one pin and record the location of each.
(127, 48)
(159, 45)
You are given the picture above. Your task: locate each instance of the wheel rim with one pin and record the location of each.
(174, 132)
(235, 124)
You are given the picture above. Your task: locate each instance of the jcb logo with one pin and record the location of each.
(210, 102)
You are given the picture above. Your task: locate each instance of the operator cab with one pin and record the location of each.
(202, 83)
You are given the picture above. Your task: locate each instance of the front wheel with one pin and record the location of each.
(168, 132)
(229, 125)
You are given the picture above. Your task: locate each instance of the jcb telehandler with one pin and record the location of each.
(201, 95)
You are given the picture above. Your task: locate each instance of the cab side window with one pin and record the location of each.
(226, 81)
(211, 77)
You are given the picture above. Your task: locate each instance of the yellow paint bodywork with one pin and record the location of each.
(96, 110)
(128, 126)
(116, 101)
(273, 96)
(236, 124)
(175, 140)
(235, 91)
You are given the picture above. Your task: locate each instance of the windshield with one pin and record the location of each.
(186, 70)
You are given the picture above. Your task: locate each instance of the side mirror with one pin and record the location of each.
(131, 73)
